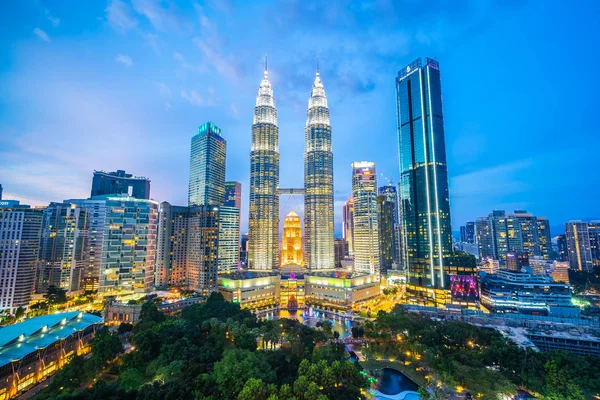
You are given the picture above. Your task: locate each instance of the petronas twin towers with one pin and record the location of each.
(263, 252)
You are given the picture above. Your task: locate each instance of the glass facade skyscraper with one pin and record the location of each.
(318, 182)
(188, 247)
(424, 199)
(129, 245)
(263, 245)
(348, 225)
(366, 229)
(64, 242)
(207, 167)
(578, 243)
(391, 199)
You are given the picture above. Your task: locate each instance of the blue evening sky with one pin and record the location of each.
(124, 85)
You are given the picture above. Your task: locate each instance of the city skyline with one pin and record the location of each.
(171, 77)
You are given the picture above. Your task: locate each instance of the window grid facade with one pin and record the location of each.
(318, 182)
(263, 243)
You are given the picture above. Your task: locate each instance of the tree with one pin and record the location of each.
(358, 331)
(236, 367)
(105, 347)
(150, 313)
(71, 376)
(256, 389)
(124, 328)
(130, 379)
(19, 313)
(55, 295)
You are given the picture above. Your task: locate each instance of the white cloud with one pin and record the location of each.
(193, 97)
(53, 20)
(163, 89)
(183, 64)
(225, 66)
(42, 35)
(234, 110)
(161, 18)
(120, 16)
(125, 60)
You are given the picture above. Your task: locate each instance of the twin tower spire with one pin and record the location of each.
(263, 243)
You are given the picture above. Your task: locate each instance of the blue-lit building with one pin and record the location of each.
(424, 198)
(33, 350)
(207, 167)
(523, 292)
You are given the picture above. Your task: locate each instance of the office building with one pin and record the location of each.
(318, 181)
(484, 234)
(291, 243)
(120, 183)
(578, 244)
(594, 232)
(561, 249)
(20, 229)
(341, 250)
(233, 195)
(129, 245)
(348, 225)
(523, 292)
(502, 233)
(207, 167)
(467, 233)
(229, 238)
(387, 237)
(560, 272)
(64, 241)
(233, 199)
(424, 198)
(188, 247)
(391, 195)
(366, 230)
(244, 249)
(263, 249)
(96, 219)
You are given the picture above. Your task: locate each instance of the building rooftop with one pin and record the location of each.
(23, 338)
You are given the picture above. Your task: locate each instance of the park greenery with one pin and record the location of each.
(582, 281)
(211, 351)
(458, 356)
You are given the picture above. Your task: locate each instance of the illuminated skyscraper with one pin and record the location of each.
(318, 181)
(263, 251)
(348, 225)
(366, 231)
(207, 167)
(424, 199)
(578, 243)
(291, 244)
